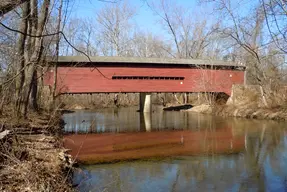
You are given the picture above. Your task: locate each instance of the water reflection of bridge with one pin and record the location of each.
(160, 134)
(144, 135)
(109, 147)
(261, 165)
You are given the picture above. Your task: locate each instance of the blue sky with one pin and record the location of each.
(145, 19)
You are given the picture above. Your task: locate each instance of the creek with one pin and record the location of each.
(123, 150)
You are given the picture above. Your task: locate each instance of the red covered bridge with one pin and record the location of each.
(77, 74)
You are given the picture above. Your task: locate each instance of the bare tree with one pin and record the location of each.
(190, 37)
(275, 12)
(149, 45)
(72, 32)
(252, 43)
(114, 27)
(34, 39)
(88, 40)
(249, 41)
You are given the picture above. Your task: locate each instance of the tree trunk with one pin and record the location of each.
(31, 66)
(57, 51)
(33, 23)
(20, 57)
(34, 92)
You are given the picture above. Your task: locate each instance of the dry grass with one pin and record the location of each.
(32, 158)
(251, 112)
(251, 101)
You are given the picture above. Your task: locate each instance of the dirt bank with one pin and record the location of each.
(249, 112)
(241, 111)
(32, 157)
(106, 100)
(249, 101)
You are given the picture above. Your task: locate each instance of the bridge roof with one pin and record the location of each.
(143, 60)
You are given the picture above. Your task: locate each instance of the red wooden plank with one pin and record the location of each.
(88, 80)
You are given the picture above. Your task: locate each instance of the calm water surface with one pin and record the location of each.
(259, 162)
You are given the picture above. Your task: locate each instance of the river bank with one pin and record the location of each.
(253, 113)
(111, 100)
(32, 157)
(241, 111)
(249, 101)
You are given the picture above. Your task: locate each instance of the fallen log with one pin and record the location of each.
(178, 107)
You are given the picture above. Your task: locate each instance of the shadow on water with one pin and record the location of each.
(208, 153)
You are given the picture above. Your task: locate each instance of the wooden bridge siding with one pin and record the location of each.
(88, 80)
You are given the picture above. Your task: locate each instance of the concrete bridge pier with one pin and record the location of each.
(145, 111)
(145, 103)
(145, 122)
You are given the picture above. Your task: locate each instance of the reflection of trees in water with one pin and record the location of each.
(127, 119)
(261, 151)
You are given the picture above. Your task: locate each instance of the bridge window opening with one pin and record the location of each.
(146, 78)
